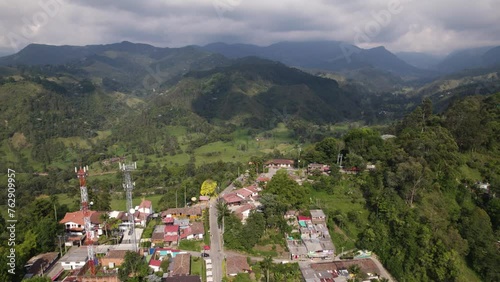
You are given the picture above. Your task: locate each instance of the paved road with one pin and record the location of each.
(216, 247)
(215, 241)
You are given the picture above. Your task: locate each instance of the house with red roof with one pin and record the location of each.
(244, 211)
(233, 199)
(143, 211)
(155, 264)
(171, 236)
(194, 231)
(75, 225)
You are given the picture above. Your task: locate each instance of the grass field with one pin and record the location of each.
(196, 265)
(346, 199)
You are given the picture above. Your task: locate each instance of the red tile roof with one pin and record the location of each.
(204, 198)
(145, 204)
(171, 238)
(168, 220)
(182, 264)
(171, 228)
(76, 217)
(186, 232)
(236, 264)
(252, 188)
(232, 198)
(305, 218)
(244, 207)
(155, 262)
(244, 192)
(197, 228)
(263, 179)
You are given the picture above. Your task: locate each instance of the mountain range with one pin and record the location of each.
(324, 81)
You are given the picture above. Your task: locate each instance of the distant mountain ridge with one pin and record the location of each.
(325, 55)
(469, 59)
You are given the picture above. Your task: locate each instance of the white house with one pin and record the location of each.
(280, 163)
(75, 225)
(145, 207)
(143, 212)
(75, 258)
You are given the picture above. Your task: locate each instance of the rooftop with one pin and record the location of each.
(366, 265)
(183, 211)
(232, 198)
(182, 264)
(190, 278)
(39, 262)
(236, 264)
(317, 213)
(280, 161)
(75, 254)
(171, 228)
(76, 217)
(145, 204)
(116, 254)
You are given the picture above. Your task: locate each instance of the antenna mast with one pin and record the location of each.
(128, 185)
(89, 240)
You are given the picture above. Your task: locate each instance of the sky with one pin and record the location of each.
(431, 26)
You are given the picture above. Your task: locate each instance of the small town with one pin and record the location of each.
(179, 243)
(250, 141)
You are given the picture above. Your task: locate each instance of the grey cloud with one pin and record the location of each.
(432, 26)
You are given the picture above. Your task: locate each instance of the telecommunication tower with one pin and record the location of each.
(89, 241)
(128, 185)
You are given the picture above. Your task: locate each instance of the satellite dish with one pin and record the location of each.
(132, 211)
(91, 203)
(193, 199)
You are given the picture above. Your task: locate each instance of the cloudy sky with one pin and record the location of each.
(434, 26)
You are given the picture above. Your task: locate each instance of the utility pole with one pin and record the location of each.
(60, 247)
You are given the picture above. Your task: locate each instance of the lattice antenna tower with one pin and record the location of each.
(89, 240)
(128, 185)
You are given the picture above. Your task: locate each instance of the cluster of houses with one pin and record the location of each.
(178, 224)
(75, 225)
(243, 200)
(315, 241)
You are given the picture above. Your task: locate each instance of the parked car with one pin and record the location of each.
(205, 255)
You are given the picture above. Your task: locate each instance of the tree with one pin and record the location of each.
(208, 188)
(255, 225)
(288, 192)
(134, 268)
(105, 217)
(242, 277)
(165, 264)
(222, 211)
(266, 265)
(412, 176)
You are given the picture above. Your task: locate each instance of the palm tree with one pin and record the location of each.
(266, 265)
(105, 217)
(222, 211)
